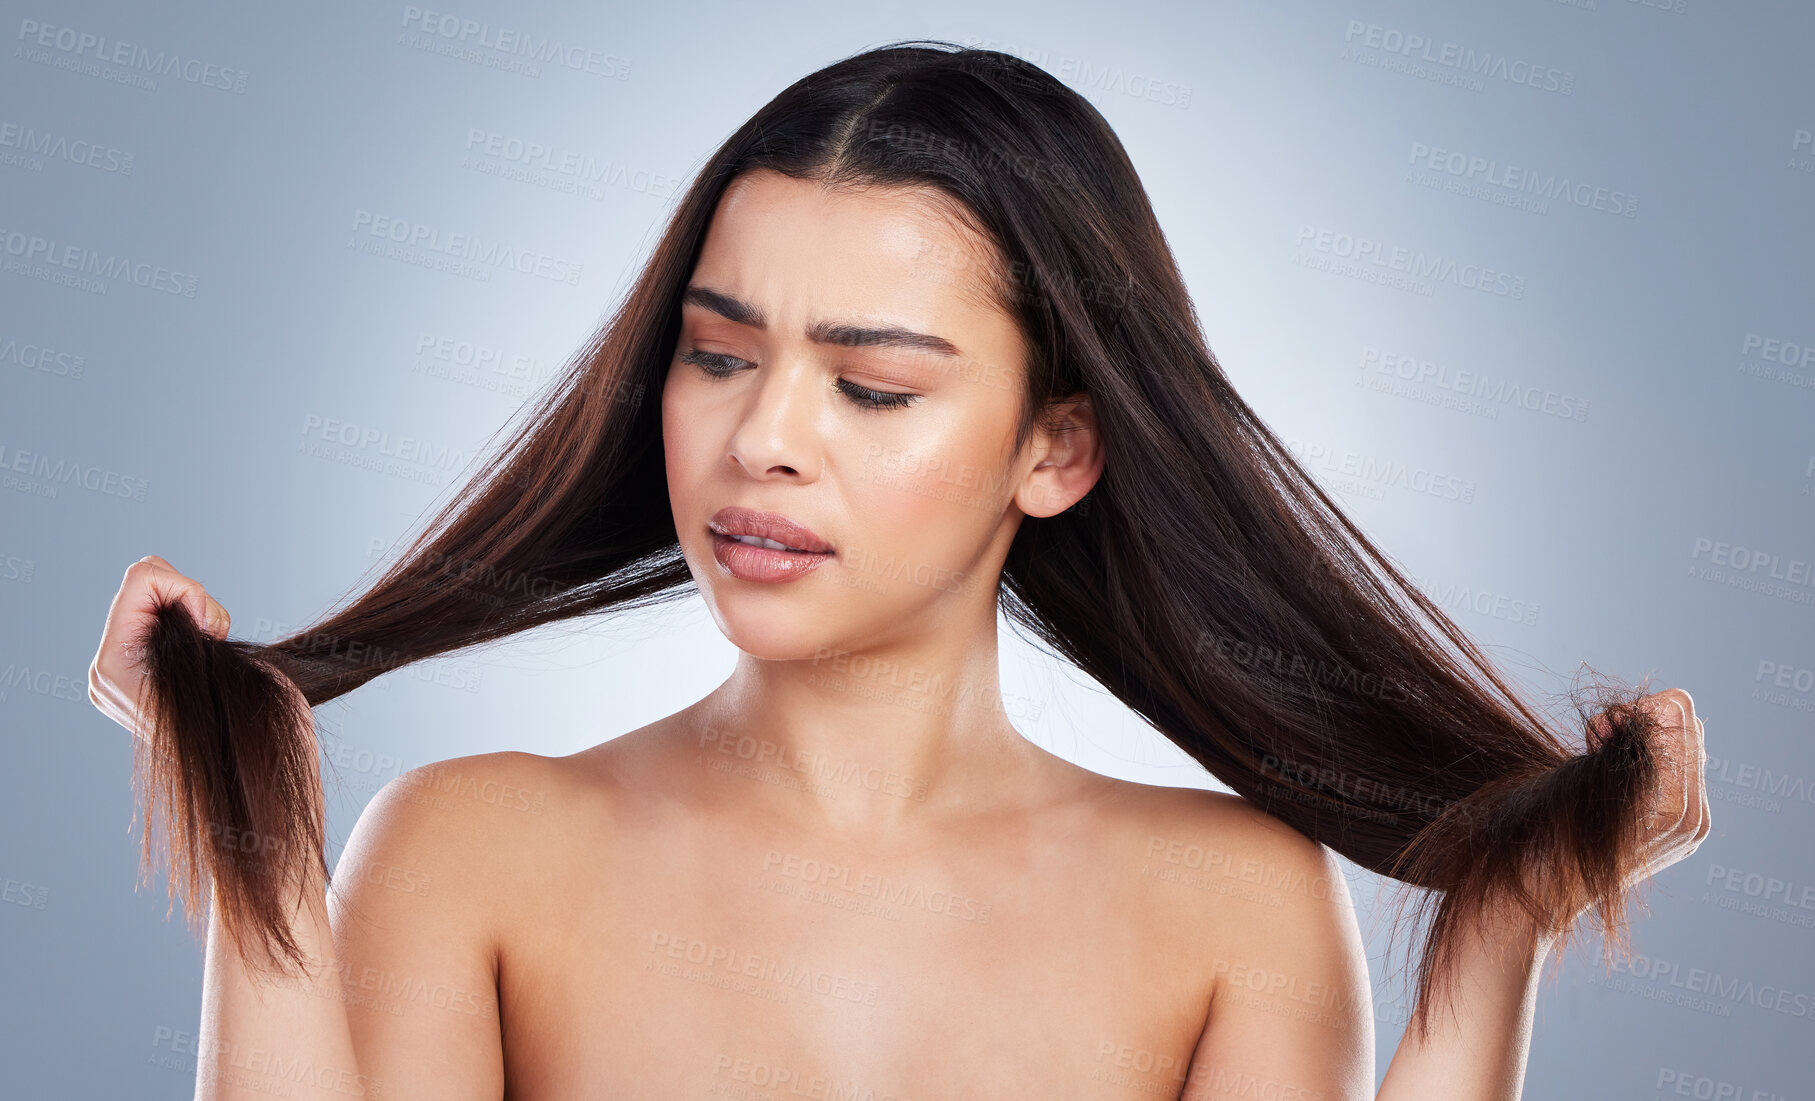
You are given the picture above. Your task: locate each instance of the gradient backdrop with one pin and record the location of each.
(1528, 284)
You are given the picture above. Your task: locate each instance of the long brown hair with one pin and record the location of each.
(1206, 580)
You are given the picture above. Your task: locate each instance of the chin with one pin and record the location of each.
(769, 626)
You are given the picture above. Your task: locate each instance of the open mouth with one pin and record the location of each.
(752, 545)
(754, 558)
(767, 544)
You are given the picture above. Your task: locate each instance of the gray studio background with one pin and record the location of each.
(1601, 452)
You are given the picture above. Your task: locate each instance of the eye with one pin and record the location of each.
(875, 399)
(722, 366)
(712, 363)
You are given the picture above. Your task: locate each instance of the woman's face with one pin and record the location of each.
(840, 364)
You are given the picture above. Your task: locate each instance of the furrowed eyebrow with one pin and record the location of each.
(846, 335)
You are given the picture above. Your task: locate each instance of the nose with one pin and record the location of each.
(777, 435)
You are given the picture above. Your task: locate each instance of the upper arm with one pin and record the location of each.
(1291, 1008)
(414, 943)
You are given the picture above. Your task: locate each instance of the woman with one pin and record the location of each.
(921, 353)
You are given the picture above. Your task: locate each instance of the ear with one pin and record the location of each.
(1069, 456)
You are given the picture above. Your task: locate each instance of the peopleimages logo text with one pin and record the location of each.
(29, 248)
(128, 56)
(543, 50)
(1523, 180)
(1412, 262)
(465, 247)
(1462, 59)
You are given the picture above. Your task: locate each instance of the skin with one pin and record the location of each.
(628, 921)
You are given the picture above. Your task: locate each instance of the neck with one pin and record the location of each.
(871, 739)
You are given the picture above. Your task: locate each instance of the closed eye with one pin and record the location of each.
(723, 366)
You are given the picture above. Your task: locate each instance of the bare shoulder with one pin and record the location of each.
(462, 828)
(462, 799)
(436, 876)
(1227, 844)
(509, 780)
(1289, 998)
(1293, 888)
(508, 813)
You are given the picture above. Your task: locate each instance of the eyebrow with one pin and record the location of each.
(737, 311)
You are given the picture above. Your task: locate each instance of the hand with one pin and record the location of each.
(117, 674)
(1678, 817)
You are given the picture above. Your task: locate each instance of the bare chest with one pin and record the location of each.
(771, 968)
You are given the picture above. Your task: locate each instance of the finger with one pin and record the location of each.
(1671, 800)
(167, 586)
(1683, 738)
(218, 619)
(1694, 754)
(1701, 784)
(1704, 823)
(147, 586)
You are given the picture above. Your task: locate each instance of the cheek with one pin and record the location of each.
(948, 469)
(938, 498)
(679, 431)
(926, 522)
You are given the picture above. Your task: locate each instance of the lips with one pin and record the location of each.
(772, 526)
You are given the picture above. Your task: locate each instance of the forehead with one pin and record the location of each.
(803, 252)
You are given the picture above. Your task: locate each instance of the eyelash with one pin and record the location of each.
(715, 367)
